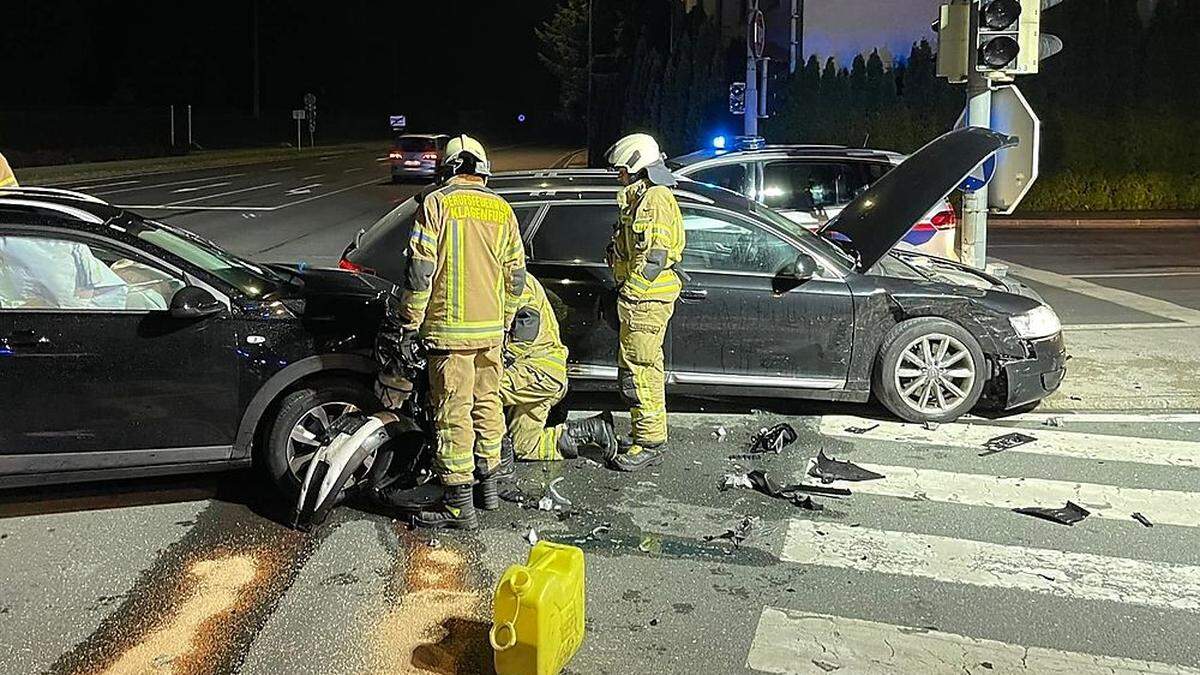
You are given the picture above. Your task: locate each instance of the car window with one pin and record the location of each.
(410, 144)
(730, 176)
(253, 280)
(718, 243)
(525, 216)
(578, 233)
(38, 272)
(806, 185)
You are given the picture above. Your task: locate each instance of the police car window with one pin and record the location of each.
(729, 176)
(575, 233)
(808, 185)
(719, 244)
(52, 273)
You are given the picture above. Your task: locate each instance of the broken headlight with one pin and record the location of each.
(1038, 322)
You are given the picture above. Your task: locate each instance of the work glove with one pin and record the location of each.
(392, 392)
(411, 352)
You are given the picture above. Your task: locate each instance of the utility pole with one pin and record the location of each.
(590, 116)
(254, 48)
(753, 17)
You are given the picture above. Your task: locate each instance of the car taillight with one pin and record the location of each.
(429, 155)
(944, 220)
(395, 155)
(350, 266)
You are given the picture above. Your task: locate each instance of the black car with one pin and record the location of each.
(775, 310)
(132, 348)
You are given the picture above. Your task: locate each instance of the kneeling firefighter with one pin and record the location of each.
(535, 380)
(646, 248)
(465, 274)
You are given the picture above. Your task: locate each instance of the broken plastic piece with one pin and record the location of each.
(552, 500)
(829, 470)
(807, 503)
(532, 537)
(738, 533)
(1053, 422)
(1005, 442)
(861, 430)
(930, 425)
(1068, 515)
(719, 433)
(769, 486)
(514, 495)
(774, 439)
(734, 480)
(1143, 520)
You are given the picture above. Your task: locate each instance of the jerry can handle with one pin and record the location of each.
(520, 582)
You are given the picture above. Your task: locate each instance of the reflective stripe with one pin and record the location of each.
(419, 234)
(455, 285)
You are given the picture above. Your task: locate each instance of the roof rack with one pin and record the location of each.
(71, 211)
(56, 192)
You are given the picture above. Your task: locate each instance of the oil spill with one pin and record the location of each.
(198, 608)
(617, 544)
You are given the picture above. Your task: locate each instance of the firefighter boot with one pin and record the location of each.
(594, 432)
(639, 457)
(487, 485)
(456, 511)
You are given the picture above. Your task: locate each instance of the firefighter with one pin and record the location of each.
(465, 273)
(647, 246)
(535, 380)
(7, 177)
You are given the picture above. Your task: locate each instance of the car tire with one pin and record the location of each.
(959, 371)
(306, 407)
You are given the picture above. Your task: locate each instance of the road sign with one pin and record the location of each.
(298, 114)
(310, 108)
(1015, 169)
(757, 34)
(398, 121)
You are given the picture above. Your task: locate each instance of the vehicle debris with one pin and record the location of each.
(532, 537)
(808, 504)
(719, 434)
(773, 440)
(553, 500)
(1068, 515)
(738, 533)
(829, 470)
(930, 425)
(1005, 442)
(1143, 520)
(861, 430)
(514, 495)
(734, 480)
(1053, 422)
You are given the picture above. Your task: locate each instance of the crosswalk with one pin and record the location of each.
(812, 640)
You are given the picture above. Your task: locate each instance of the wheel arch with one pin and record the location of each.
(286, 379)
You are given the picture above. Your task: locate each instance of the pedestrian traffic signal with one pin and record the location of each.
(1009, 41)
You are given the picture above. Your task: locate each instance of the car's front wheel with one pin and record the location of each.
(302, 425)
(929, 370)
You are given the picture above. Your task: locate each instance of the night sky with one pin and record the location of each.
(844, 28)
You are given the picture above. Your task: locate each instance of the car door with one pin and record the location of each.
(94, 371)
(744, 321)
(566, 253)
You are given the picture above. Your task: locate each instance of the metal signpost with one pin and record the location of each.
(310, 110)
(298, 115)
(756, 42)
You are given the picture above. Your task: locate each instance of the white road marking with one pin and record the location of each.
(1082, 576)
(1137, 275)
(1075, 445)
(1128, 326)
(223, 194)
(353, 170)
(788, 641)
(201, 187)
(1070, 417)
(382, 159)
(282, 169)
(173, 206)
(373, 181)
(304, 189)
(171, 184)
(313, 177)
(1142, 303)
(108, 185)
(1163, 507)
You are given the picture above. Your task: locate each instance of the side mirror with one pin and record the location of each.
(193, 302)
(804, 268)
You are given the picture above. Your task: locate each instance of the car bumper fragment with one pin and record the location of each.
(1037, 377)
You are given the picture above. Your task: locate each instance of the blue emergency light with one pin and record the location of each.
(719, 142)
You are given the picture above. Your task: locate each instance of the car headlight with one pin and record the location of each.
(1038, 322)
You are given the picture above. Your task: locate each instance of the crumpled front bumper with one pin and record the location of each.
(1035, 378)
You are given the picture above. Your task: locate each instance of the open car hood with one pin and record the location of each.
(880, 217)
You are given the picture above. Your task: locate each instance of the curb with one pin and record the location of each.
(1096, 223)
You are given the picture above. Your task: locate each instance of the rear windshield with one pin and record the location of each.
(415, 144)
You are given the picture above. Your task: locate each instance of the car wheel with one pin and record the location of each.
(929, 370)
(302, 425)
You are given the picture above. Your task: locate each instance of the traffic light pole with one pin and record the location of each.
(751, 116)
(973, 232)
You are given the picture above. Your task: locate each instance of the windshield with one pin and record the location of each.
(252, 280)
(803, 234)
(411, 144)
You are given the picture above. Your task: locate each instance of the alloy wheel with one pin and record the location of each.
(310, 432)
(935, 373)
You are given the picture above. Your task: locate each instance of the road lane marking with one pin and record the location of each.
(108, 185)
(201, 187)
(281, 169)
(304, 189)
(1136, 275)
(1165, 507)
(222, 194)
(1128, 299)
(1076, 445)
(313, 177)
(788, 641)
(173, 206)
(354, 170)
(171, 184)
(1070, 417)
(1081, 576)
(373, 181)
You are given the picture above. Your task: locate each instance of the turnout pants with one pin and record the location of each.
(469, 419)
(528, 394)
(640, 361)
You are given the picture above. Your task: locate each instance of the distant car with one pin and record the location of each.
(132, 348)
(418, 156)
(775, 310)
(811, 184)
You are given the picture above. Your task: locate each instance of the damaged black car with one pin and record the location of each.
(774, 310)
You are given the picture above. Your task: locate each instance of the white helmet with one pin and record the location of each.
(634, 153)
(463, 144)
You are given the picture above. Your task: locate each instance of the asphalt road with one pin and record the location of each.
(926, 570)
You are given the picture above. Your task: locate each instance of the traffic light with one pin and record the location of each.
(1009, 41)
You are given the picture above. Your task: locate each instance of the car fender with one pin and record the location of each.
(281, 381)
(993, 330)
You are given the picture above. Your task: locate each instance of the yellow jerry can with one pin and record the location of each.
(538, 612)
